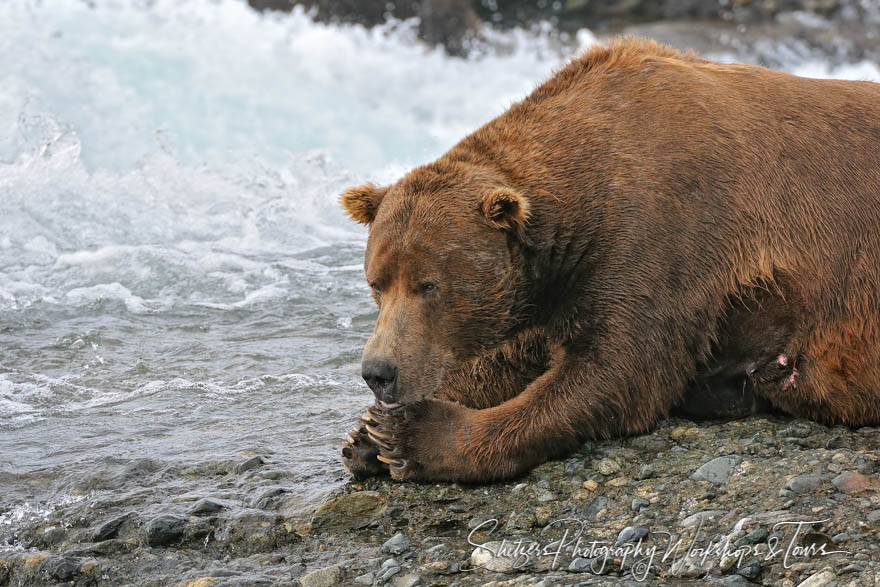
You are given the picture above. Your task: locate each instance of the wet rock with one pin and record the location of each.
(267, 498)
(329, 577)
(717, 471)
(349, 512)
(207, 506)
(853, 482)
(397, 544)
(60, 568)
(110, 528)
(249, 464)
(164, 530)
(732, 581)
(52, 535)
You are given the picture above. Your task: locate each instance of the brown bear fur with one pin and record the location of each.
(644, 223)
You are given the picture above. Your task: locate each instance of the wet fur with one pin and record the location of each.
(687, 221)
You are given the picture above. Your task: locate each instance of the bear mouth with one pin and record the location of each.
(387, 406)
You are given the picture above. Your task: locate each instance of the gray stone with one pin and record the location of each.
(408, 580)
(695, 519)
(483, 557)
(820, 579)
(732, 581)
(608, 467)
(329, 577)
(851, 569)
(717, 471)
(60, 568)
(207, 506)
(397, 544)
(646, 471)
(349, 512)
(386, 573)
(631, 534)
(249, 464)
(639, 503)
(164, 530)
(805, 483)
(365, 579)
(873, 516)
(751, 570)
(110, 528)
(840, 538)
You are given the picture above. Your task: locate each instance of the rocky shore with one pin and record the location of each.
(765, 501)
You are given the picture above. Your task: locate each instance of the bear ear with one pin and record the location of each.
(362, 202)
(505, 208)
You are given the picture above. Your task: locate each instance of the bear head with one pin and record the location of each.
(444, 261)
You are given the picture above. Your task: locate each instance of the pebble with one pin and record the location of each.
(694, 519)
(397, 544)
(751, 570)
(646, 471)
(481, 557)
(110, 528)
(852, 569)
(61, 568)
(631, 534)
(804, 483)
(329, 577)
(350, 511)
(249, 464)
(639, 503)
(608, 467)
(163, 530)
(408, 580)
(873, 516)
(386, 573)
(851, 482)
(820, 579)
(206, 506)
(590, 485)
(717, 471)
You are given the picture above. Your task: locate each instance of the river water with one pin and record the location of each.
(177, 281)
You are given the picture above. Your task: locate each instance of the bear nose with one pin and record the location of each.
(381, 377)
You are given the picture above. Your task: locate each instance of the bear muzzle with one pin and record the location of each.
(381, 377)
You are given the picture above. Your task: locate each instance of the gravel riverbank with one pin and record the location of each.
(761, 501)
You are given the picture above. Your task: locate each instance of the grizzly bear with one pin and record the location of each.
(644, 224)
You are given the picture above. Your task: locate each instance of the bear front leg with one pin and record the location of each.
(360, 453)
(435, 440)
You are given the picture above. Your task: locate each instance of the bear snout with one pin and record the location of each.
(381, 377)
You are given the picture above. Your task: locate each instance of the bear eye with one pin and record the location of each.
(427, 287)
(376, 289)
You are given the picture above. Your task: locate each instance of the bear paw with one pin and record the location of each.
(779, 372)
(386, 431)
(360, 454)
